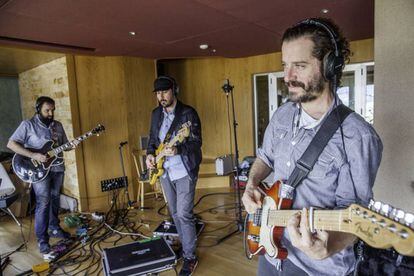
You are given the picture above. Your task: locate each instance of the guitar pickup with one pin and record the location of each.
(253, 238)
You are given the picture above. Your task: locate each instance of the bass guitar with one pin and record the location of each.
(182, 133)
(380, 225)
(32, 171)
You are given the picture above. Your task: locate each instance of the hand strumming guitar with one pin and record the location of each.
(150, 161)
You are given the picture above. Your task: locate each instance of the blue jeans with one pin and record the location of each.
(47, 194)
(288, 268)
(180, 196)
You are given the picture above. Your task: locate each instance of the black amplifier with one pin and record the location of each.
(138, 258)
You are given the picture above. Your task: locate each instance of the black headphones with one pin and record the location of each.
(333, 62)
(175, 87)
(40, 101)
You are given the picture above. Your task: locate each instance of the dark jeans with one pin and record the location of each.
(180, 197)
(47, 194)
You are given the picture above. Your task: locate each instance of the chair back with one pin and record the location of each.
(139, 157)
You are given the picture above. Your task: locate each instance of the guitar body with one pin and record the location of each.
(262, 238)
(182, 133)
(32, 171)
(159, 170)
(380, 225)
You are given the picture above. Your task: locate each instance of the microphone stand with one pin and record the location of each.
(228, 89)
(129, 202)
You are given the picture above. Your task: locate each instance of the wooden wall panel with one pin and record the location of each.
(201, 80)
(100, 82)
(114, 91)
(139, 77)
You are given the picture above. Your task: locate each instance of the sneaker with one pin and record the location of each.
(59, 233)
(188, 267)
(44, 247)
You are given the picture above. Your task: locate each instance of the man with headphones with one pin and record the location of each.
(34, 133)
(313, 56)
(181, 165)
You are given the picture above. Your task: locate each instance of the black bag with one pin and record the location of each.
(378, 262)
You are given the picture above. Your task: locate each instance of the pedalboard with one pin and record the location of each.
(113, 183)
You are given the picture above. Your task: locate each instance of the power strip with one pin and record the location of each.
(113, 183)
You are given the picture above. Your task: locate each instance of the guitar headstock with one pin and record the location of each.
(383, 226)
(98, 130)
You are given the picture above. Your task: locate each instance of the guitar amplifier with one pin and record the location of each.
(225, 164)
(138, 258)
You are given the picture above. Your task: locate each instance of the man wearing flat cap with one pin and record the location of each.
(181, 163)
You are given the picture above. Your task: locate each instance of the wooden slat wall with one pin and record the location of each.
(116, 91)
(200, 83)
(112, 91)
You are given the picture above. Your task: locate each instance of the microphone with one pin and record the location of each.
(123, 143)
(227, 87)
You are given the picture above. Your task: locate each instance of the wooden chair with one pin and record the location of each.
(143, 178)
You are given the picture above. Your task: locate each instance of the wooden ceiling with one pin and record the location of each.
(171, 28)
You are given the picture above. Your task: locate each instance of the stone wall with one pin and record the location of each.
(51, 79)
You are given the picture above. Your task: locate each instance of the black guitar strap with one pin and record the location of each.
(177, 117)
(308, 159)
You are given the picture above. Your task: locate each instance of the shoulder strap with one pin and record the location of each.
(308, 159)
(177, 118)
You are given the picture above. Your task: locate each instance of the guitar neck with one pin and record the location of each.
(328, 220)
(68, 145)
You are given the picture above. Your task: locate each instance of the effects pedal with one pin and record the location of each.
(113, 183)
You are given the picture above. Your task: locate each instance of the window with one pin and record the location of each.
(356, 92)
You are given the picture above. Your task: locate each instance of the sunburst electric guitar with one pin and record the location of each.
(379, 225)
(32, 171)
(182, 133)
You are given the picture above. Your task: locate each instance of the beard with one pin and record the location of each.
(46, 120)
(311, 92)
(165, 103)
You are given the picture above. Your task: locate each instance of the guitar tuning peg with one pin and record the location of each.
(397, 214)
(377, 206)
(386, 209)
(371, 204)
(409, 220)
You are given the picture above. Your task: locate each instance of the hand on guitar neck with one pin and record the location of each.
(319, 244)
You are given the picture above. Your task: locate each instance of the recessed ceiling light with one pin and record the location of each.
(324, 11)
(132, 33)
(203, 46)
